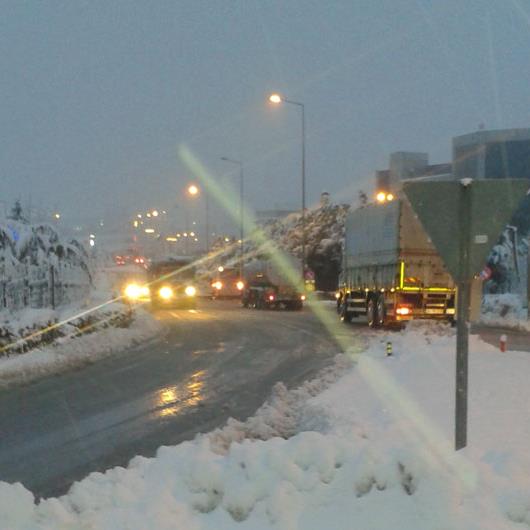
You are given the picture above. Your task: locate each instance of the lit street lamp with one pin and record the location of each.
(277, 99)
(241, 216)
(194, 191)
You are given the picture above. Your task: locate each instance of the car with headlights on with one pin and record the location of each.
(227, 283)
(172, 283)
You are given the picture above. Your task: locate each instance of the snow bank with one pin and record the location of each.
(504, 310)
(75, 349)
(378, 455)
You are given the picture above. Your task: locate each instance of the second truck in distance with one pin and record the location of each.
(268, 286)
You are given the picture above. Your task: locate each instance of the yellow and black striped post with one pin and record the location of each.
(388, 349)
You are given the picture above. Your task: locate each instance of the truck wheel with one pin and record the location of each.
(371, 313)
(345, 316)
(380, 311)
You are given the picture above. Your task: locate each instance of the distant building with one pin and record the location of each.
(407, 165)
(492, 154)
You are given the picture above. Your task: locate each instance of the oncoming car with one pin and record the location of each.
(172, 283)
(227, 283)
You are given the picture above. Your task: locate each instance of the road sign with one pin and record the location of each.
(464, 219)
(487, 206)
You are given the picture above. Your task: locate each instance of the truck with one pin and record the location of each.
(391, 271)
(227, 283)
(267, 286)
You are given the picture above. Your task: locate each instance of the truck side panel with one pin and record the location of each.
(372, 235)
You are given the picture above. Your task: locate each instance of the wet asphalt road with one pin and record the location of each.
(209, 364)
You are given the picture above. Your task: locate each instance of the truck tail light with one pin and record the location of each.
(271, 297)
(403, 310)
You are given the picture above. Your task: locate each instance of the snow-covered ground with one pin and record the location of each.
(368, 445)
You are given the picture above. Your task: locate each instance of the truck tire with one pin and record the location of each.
(260, 303)
(380, 311)
(371, 313)
(345, 315)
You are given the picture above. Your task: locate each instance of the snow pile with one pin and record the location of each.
(78, 342)
(310, 481)
(284, 414)
(504, 310)
(379, 455)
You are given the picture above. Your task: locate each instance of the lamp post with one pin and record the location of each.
(241, 214)
(277, 99)
(193, 190)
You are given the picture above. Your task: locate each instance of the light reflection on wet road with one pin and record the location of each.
(211, 363)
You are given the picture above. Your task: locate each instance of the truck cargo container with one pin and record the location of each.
(268, 286)
(391, 271)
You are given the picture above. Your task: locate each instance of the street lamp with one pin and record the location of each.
(241, 215)
(277, 99)
(193, 190)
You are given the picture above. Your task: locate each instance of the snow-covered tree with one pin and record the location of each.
(324, 230)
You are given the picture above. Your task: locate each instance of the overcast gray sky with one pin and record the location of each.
(96, 96)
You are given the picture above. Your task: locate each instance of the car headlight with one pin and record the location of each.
(217, 285)
(190, 290)
(165, 292)
(132, 291)
(240, 285)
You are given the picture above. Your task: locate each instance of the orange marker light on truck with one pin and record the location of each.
(403, 310)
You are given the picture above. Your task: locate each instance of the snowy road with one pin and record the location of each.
(213, 363)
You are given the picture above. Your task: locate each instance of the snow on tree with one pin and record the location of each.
(324, 229)
(36, 245)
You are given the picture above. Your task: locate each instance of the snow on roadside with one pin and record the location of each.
(73, 351)
(504, 310)
(367, 445)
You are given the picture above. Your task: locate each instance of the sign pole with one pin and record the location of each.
(462, 316)
(463, 219)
